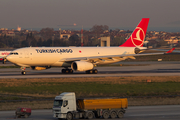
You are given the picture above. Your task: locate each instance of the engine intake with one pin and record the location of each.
(82, 66)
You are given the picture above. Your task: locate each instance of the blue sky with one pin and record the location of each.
(114, 13)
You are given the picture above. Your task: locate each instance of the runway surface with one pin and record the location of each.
(143, 69)
(166, 112)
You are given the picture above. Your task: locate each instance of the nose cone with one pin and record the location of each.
(10, 58)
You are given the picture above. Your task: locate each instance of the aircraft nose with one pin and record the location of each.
(9, 58)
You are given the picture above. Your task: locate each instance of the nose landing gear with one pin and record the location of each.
(23, 72)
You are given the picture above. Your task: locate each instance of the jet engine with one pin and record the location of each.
(39, 68)
(82, 66)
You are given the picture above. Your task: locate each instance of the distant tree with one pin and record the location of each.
(74, 40)
(95, 42)
(39, 42)
(98, 29)
(59, 42)
(2, 45)
(47, 43)
(117, 41)
(24, 43)
(47, 33)
(161, 43)
(33, 42)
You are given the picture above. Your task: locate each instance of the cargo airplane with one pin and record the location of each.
(81, 58)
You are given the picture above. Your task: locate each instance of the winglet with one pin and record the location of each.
(170, 51)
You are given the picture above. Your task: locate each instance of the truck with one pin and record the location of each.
(66, 106)
(21, 111)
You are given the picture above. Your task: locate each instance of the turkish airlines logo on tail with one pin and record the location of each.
(137, 37)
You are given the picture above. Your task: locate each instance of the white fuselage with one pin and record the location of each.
(54, 56)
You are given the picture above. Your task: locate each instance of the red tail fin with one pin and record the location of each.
(170, 51)
(137, 37)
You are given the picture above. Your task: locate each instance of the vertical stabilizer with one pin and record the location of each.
(137, 37)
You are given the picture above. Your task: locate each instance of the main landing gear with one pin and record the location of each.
(23, 72)
(66, 71)
(95, 71)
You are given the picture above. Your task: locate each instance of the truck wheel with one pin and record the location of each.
(105, 115)
(18, 116)
(113, 114)
(90, 115)
(26, 115)
(120, 114)
(69, 116)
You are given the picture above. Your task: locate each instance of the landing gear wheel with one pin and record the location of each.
(23, 72)
(95, 71)
(66, 71)
(70, 71)
(63, 71)
(91, 71)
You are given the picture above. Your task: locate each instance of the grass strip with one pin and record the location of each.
(101, 86)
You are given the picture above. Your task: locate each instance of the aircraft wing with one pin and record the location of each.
(94, 59)
(174, 51)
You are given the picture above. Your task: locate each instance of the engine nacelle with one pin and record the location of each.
(82, 66)
(39, 68)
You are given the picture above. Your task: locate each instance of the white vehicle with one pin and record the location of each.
(68, 107)
(3, 55)
(80, 58)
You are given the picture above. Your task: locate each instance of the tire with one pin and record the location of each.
(120, 114)
(90, 115)
(23, 72)
(69, 116)
(113, 114)
(67, 71)
(63, 71)
(70, 71)
(105, 114)
(95, 71)
(91, 71)
(18, 116)
(26, 116)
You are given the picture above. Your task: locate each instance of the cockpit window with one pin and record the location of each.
(13, 53)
